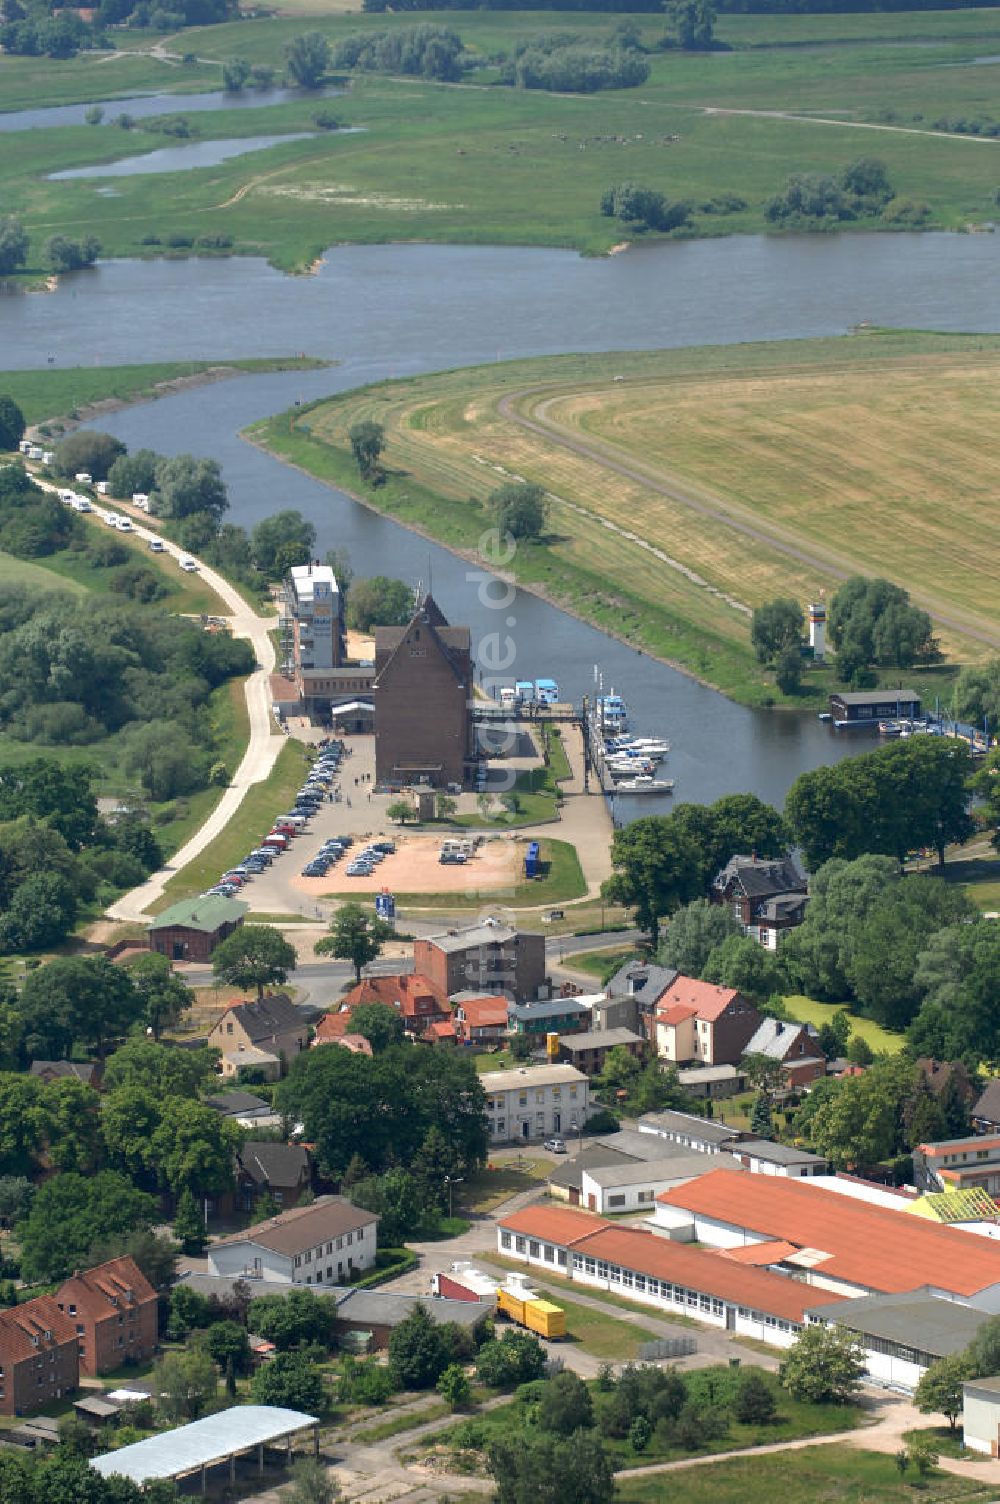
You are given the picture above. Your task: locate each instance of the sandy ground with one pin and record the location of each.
(415, 869)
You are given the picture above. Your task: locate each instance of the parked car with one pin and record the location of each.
(156, 545)
(554, 1146)
(188, 565)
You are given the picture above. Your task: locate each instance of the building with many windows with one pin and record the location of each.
(115, 1312)
(486, 957)
(535, 1102)
(39, 1360)
(325, 1243)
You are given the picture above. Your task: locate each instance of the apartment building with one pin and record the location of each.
(114, 1311)
(535, 1102)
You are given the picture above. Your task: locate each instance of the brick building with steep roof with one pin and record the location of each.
(39, 1360)
(699, 1022)
(413, 996)
(114, 1312)
(422, 693)
(268, 1033)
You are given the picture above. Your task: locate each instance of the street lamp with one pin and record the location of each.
(450, 1181)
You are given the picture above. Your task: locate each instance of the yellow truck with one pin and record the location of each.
(527, 1309)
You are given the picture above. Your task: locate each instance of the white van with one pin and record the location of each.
(156, 545)
(188, 565)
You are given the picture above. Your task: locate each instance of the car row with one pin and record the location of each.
(364, 864)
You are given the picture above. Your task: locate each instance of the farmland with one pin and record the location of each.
(704, 482)
(475, 163)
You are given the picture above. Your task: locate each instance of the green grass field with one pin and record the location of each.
(695, 535)
(809, 1012)
(811, 1475)
(54, 393)
(480, 164)
(599, 963)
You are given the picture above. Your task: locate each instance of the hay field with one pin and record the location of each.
(744, 473)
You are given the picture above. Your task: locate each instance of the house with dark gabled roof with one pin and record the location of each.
(766, 895)
(89, 1071)
(793, 1046)
(265, 1035)
(279, 1171)
(986, 1112)
(422, 692)
(632, 995)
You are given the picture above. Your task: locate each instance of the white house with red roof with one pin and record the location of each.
(702, 1023)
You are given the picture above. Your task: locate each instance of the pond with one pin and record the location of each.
(184, 158)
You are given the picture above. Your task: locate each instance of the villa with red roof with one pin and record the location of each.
(735, 1295)
(704, 1024)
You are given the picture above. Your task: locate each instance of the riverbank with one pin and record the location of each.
(474, 163)
(669, 542)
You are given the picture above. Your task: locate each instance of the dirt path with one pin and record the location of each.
(853, 125)
(772, 536)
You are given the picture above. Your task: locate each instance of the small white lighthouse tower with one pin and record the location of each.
(817, 631)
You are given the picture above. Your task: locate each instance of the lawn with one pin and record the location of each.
(809, 1012)
(811, 1475)
(599, 963)
(604, 1336)
(495, 165)
(880, 411)
(246, 829)
(488, 1189)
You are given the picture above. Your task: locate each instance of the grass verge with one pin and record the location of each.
(807, 1011)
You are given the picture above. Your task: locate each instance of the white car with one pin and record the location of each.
(156, 544)
(188, 565)
(124, 526)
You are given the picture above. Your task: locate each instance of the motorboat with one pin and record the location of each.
(644, 783)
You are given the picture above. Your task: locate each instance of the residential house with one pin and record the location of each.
(324, 1243)
(589, 1051)
(89, 1072)
(632, 997)
(191, 930)
(560, 1015)
(763, 1156)
(281, 1172)
(793, 1046)
(267, 1035)
(834, 1242)
(412, 994)
(766, 895)
(946, 1076)
(115, 1313)
(959, 1164)
(700, 1023)
(242, 1105)
(986, 1111)
(489, 957)
(903, 1335)
(713, 1082)
(535, 1102)
(653, 1271)
(39, 1358)
(423, 696)
(480, 1021)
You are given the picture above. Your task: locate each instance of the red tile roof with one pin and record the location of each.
(410, 994)
(703, 998)
(757, 1254)
(101, 1291)
(20, 1324)
(332, 1027)
(559, 1224)
(442, 1028)
(484, 1012)
(871, 1246)
(644, 1253)
(677, 1013)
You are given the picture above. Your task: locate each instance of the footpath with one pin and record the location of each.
(262, 748)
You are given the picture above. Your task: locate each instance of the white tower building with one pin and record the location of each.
(817, 631)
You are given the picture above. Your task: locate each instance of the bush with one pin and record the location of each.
(515, 1359)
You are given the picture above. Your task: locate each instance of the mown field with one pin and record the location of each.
(745, 472)
(474, 163)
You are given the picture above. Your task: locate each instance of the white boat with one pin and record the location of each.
(645, 784)
(654, 745)
(612, 712)
(635, 770)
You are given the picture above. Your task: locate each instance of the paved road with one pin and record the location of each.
(262, 748)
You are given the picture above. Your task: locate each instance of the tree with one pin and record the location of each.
(868, 178)
(519, 509)
(788, 671)
(746, 965)
(255, 955)
(453, 1386)
(235, 72)
(367, 443)
(290, 1380)
(70, 1213)
(761, 1123)
(755, 1404)
(858, 1121)
(13, 245)
(549, 1469)
(774, 627)
(307, 57)
(939, 1391)
(12, 424)
(515, 1358)
(693, 933)
(644, 208)
(379, 602)
(69, 1124)
(165, 998)
(226, 1343)
(400, 811)
(824, 1365)
(165, 1070)
(292, 1320)
(193, 1148)
(656, 870)
(983, 1352)
(872, 621)
(65, 255)
(281, 541)
(186, 487)
(87, 450)
(77, 998)
(694, 24)
(379, 1023)
(41, 913)
(354, 936)
(311, 1483)
(418, 1350)
(565, 1405)
(444, 806)
(185, 1383)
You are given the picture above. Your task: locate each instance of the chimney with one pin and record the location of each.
(779, 1026)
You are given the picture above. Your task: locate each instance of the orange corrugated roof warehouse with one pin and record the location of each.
(873, 1247)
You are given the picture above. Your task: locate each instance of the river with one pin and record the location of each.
(396, 310)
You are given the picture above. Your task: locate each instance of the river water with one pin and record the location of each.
(396, 310)
(143, 106)
(184, 158)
